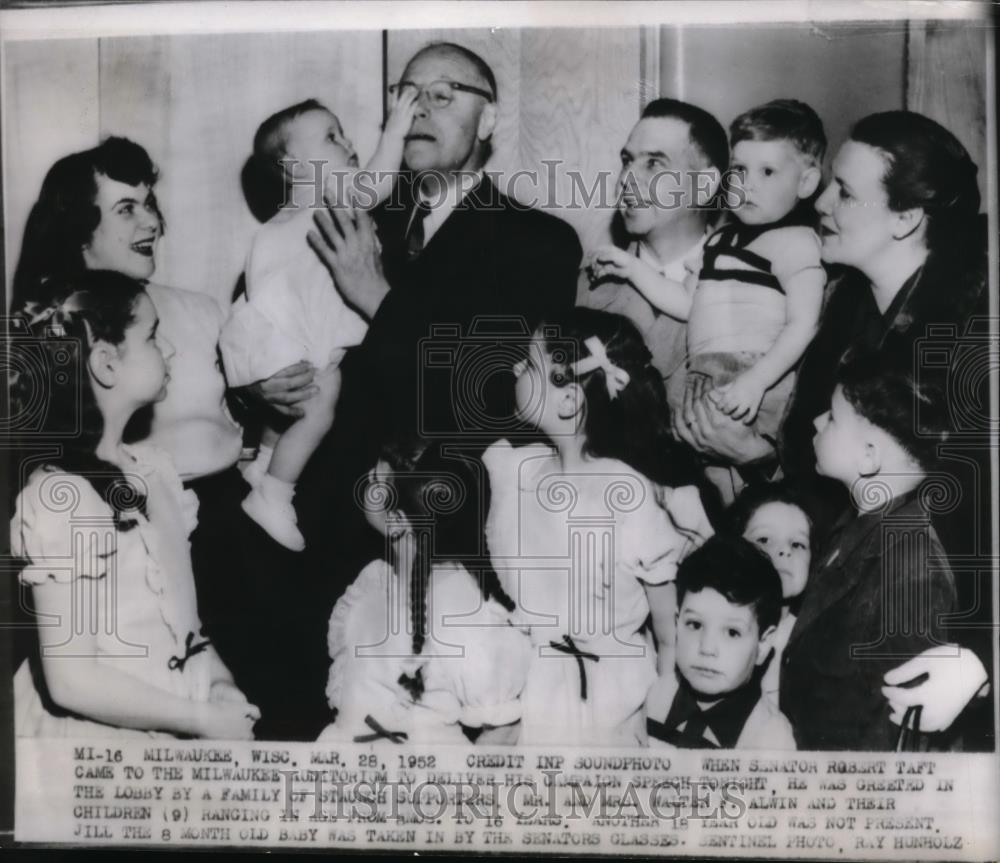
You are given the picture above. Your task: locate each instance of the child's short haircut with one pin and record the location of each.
(753, 497)
(782, 120)
(734, 567)
(915, 415)
(270, 143)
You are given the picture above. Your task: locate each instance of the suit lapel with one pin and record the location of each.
(841, 575)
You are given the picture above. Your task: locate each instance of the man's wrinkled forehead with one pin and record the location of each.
(669, 137)
(437, 62)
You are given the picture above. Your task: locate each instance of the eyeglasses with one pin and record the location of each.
(440, 94)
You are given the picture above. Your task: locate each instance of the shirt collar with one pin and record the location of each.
(724, 719)
(441, 207)
(677, 268)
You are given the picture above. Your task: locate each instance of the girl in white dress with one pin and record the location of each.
(422, 644)
(103, 529)
(580, 537)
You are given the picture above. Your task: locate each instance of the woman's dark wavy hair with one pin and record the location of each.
(52, 383)
(65, 216)
(445, 497)
(632, 427)
(926, 167)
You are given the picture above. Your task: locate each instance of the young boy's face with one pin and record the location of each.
(768, 178)
(782, 532)
(842, 435)
(718, 643)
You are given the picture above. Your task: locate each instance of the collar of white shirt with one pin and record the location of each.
(442, 206)
(676, 269)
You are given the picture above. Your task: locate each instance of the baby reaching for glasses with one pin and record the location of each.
(760, 289)
(292, 311)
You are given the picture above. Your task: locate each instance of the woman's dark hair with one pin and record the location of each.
(926, 167)
(738, 570)
(65, 216)
(52, 397)
(445, 498)
(632, 427)
(753, 497)
(915, 415)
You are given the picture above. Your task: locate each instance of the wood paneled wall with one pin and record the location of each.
(946, 80)
(842, 71)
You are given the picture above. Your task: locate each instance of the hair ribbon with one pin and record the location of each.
(615, 377)
(53, 316)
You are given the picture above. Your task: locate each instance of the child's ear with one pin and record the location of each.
(487, 121)
(809, 181)
(103, 364)
(397, 523)
(570, 401)
(765, 643)
(870, 459)
(706, 182)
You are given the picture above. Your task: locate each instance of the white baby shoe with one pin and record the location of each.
(270, 505)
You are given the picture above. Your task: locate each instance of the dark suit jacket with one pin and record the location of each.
(879, 595)
(439, 349)
(493, 261)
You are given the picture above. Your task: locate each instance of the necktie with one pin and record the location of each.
(415, 234)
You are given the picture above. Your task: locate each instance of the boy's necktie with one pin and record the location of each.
(415, 233)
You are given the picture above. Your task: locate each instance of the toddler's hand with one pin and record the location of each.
(400, 118)
(226, 720)
(740, 398)
(611, 261)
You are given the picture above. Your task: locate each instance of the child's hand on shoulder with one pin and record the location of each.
(226, 720)
(401, 112)
(740, 398)
(611, 262)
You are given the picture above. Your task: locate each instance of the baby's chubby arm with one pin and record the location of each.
(664, 294)
(374, 182)
(741, 397)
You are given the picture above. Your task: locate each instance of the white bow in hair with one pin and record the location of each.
(616, 378)
(53, 316)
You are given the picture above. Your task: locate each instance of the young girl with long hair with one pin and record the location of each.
(579, 534)
(103, 529)
(421, 642)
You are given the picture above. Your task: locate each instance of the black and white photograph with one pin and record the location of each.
(377, 481)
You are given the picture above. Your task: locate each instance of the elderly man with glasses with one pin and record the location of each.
(461, 276)
(454, 249)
